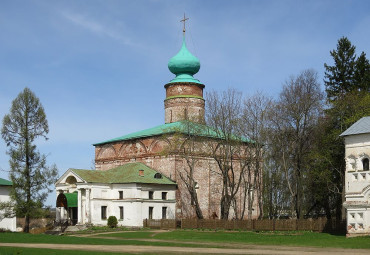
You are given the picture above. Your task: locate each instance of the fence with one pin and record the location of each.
(317, 225)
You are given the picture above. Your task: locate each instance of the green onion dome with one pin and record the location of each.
(184, 65)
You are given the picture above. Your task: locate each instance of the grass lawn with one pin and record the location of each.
(260, 238)
(213, 239)
(35, 251)
(42, 238)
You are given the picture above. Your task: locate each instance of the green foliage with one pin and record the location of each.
(348, 72)
(112, 221)
(29, 173)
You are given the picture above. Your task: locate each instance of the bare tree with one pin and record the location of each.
(293, 119)
(254, 125)
(186, 143)
(224, 115)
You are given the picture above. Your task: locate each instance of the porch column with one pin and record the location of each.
(87, 206)
(79, 204)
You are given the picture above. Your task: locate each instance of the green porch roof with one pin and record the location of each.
(128, 173)
(71, 199)
(185, 127)
(4, 182)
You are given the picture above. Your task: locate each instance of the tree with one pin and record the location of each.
(254, 123)
(347, 86)
(340, 77)
(29, 173)
(294, 117)
(187, 143)
(348, 72)
(224, 114)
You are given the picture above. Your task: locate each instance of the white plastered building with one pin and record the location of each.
(357, 177)
(6, 223)
(131, 192)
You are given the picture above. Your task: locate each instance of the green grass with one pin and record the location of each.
(42, 238)
(37, 251)
(260, 238)
(212, 238)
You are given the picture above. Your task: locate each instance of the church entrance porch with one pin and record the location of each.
(67, 209)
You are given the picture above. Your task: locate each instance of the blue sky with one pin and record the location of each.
(99, 66)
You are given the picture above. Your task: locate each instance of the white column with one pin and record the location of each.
(79, 204)
(87, 207)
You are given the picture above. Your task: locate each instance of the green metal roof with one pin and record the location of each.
(185, 127)
(128, 173)
(4, 182)
(71, 199)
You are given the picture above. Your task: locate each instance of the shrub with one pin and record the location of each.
(112, 221)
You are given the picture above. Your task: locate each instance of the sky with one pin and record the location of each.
(99, 66)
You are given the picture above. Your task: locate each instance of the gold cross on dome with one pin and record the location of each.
(184, 20)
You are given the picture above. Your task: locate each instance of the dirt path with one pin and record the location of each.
(249, 249)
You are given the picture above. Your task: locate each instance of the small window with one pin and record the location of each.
(120, 194)
(164, 195)
(365, 164)
(104, 212)
(158, 176)
(164, 212)
(151, 194)
(121, 213)
(141, 172)
(150, 213)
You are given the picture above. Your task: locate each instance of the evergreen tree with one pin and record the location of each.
(362, 73)
(339, 78)
(29, 173)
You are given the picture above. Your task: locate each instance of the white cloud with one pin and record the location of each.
(97, 28)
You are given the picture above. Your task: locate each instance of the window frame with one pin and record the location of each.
(103, 212)
(365, 164)
(164, 195)
(164, 212)
(121, 213)
(150, 212)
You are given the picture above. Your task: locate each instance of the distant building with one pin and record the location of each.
(131, 192)
(357, 178)
(6, 223)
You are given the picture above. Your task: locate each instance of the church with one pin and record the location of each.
(155, 152)
(357, 177)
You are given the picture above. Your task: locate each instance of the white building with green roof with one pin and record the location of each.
(132, 192)
(6, 223)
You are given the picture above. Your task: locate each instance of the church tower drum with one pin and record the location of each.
(184, 94)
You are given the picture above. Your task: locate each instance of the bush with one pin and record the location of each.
(112, 221)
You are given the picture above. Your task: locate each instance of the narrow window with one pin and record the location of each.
(151, 194)
(121, 213)
(164, 195)
(120, 194)
(104, 212)
(141, 173)
(150, 213)
(365, 164)
(164, 212)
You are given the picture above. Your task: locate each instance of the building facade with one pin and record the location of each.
(131, 193)
(160, 148)
(357, 177)
(6, 223)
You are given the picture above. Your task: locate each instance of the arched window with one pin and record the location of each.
(158, 176)
(365, 164)
(71, 180)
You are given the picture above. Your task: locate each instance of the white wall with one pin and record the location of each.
(357, 181)
(7, 223)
